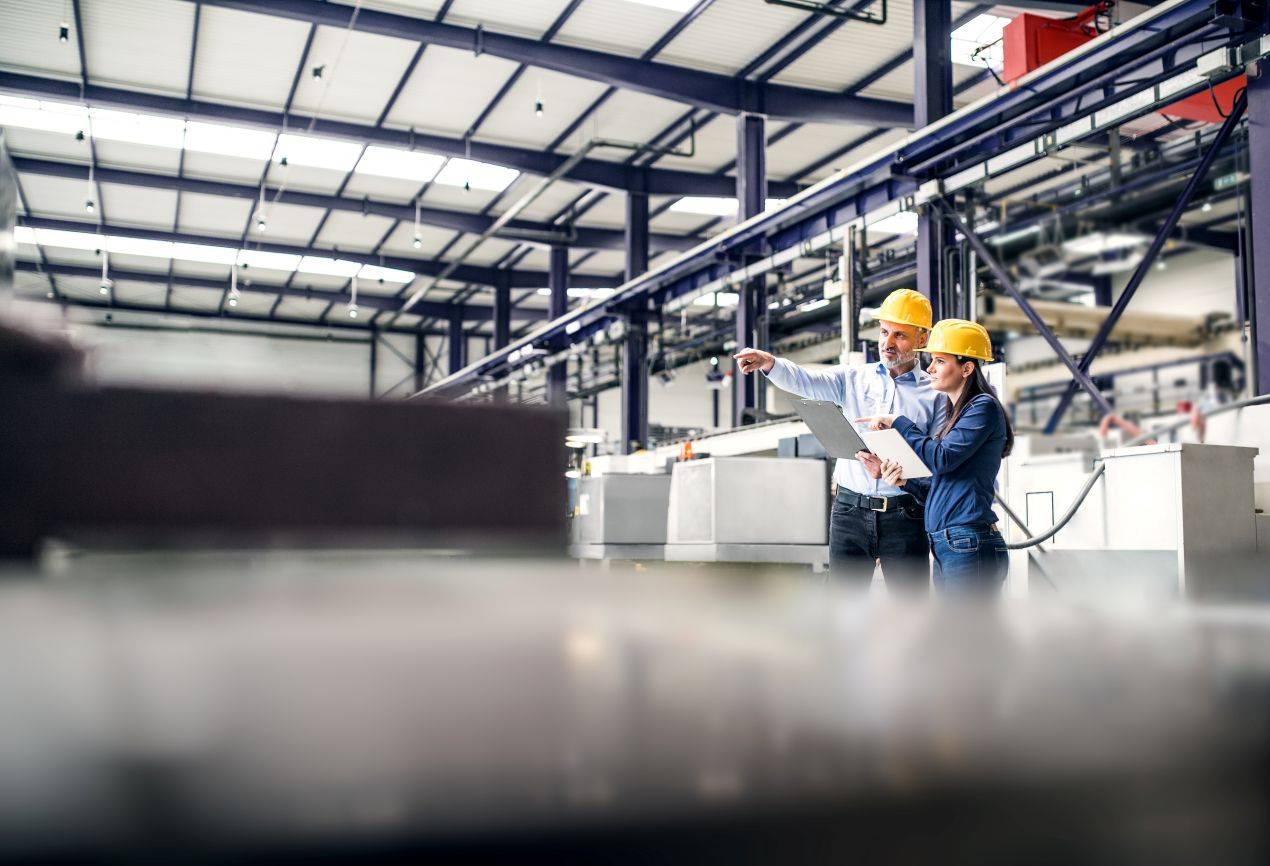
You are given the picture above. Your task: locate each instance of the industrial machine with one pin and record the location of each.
(749, 509)
(621, 516)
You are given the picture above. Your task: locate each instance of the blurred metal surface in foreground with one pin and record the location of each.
(276, 708)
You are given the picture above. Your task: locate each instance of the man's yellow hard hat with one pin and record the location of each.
(959, 337)
(906, 307)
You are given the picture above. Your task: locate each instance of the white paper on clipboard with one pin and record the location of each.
(890, 445)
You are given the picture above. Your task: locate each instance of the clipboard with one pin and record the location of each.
(836, 434)
(841, 439)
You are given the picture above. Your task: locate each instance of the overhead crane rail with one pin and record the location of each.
(1174, 50)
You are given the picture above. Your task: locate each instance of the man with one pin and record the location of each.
(872, 520)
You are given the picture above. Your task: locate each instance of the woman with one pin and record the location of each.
(964, 456)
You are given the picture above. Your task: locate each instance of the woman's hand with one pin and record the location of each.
(870, 462)
(878, 422)
(893, 473)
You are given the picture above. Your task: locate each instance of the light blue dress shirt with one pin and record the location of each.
(864, 390)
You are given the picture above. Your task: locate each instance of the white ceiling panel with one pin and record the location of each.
(853, 51)
(607, 212)
(604, 262)
(390, 189)
(140, 44)
(807, 144)
(440, 195)
(215, 167)
(138, 264)
(731, 33)
(287, 223)
(214, 215)
(415, 8)
(448, 90)
(54, 196)
(31, 142)
(138, 206)
(252, 304)
(627, 116)
(76, 258)
(487, 253)
(564, 99)
(401, 241)
(200, 269)
(263, 54)
(352, 231)
(322, 282)
(163, 160)
(361, 72)
(882, 142)
(302, 177)
(617, 26)
(196, 298)
(507, 16)
(29, 43)
(80, 289)
(31, 285)
(715, 147)
(145, 294)
(299, 308)
(553, 200)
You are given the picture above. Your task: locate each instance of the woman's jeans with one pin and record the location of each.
(969, 559)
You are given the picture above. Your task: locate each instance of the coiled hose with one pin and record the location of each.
(1097, 473)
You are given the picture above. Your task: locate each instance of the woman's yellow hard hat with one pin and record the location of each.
(959, 337)
(906, 307)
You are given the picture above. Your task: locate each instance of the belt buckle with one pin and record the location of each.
(886, 503)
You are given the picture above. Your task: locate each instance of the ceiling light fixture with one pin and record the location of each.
(63, 32)
(418, 241)
(352, 301)
(1206, 206)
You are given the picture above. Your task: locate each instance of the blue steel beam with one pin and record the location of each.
(557, 384)
(1258, 296)
(1117, 65)
(751, 193)
(488, 276)
(594, 172)
(456, 339)
(461, 221)
(932, 100)
(634, 376)
(708, 90)
(372, 302)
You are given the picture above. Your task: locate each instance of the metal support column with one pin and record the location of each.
(457, 342)
(751, 194)
(421, 361)
(1258, 294)
(634, 368)
(634, 359)
(1166, 231)
(1003, 278)
(374, 360)
(502, 312)
(1102, 290)
(557, 375)
(932, 99)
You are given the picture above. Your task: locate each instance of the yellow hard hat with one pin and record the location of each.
(906, 307)
(959, 337)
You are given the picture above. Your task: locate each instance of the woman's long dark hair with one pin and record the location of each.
(977, 384)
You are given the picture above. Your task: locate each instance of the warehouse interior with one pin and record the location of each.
(377, 479)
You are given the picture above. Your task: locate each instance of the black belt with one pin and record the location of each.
(875, 503)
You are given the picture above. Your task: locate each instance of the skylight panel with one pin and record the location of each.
(902, 223)
(978, 42)
(140, 247)
(329, 267)
(671, 5)
(224, 140)
(707, 205)
(308, 150)
(69, 240)
(127, 126)
(388, 275)
(268, 261)
(470, 174)
(23, 235)
(206, 253)
(411, 165)
(42, 116)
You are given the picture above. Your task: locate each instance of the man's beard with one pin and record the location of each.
(901, 359)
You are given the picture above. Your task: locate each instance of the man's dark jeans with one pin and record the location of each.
(858, 537)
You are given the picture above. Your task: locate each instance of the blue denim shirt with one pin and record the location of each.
(864, 390)
(965, 465)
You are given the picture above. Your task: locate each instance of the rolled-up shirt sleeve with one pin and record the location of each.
(813, 385)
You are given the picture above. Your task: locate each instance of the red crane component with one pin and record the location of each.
(1030, 41)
